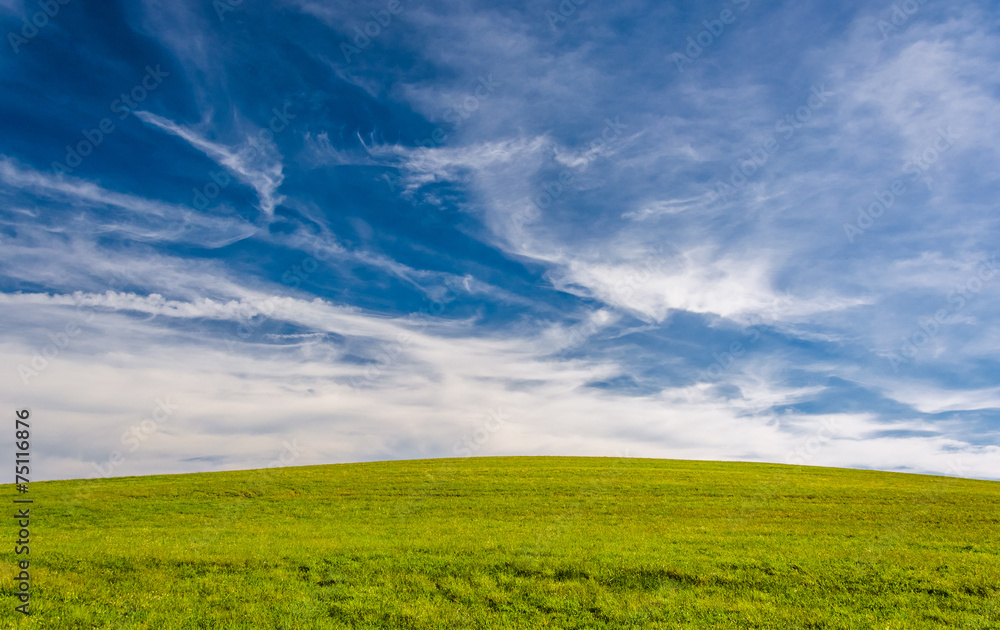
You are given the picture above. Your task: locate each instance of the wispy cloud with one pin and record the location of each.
(255, 160)
(144, 219)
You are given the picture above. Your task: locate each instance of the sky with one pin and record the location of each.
(246, 234)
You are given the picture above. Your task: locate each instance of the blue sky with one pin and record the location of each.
(236, 233)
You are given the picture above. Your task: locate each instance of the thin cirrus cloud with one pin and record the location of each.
(134, 216)
(533, 223)
(255, 162)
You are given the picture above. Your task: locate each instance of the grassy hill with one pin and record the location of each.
(513, 543)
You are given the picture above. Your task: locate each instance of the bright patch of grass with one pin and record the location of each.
(513, 543)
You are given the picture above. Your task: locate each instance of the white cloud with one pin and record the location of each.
(255, 161)
(928, 398)
(319, 151)
(146, 219)
(669, 206)
(431, 392)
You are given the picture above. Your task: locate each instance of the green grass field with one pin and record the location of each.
(513, 543)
